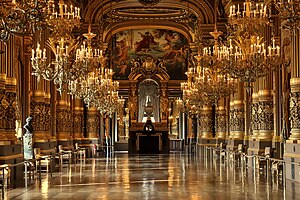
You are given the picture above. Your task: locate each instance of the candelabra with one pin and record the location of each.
(22, 17)
(289, 11)
(250, 58)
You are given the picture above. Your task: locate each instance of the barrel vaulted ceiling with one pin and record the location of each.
(108, 17)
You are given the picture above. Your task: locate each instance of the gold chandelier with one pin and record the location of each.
(192, 98)
(250, 57)
(61, 19)
(211, 79)
(22, 17)
(289, 11)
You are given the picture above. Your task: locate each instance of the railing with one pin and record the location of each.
(231, 157)
(27, 163)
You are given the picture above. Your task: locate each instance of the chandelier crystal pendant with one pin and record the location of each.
(289, 11)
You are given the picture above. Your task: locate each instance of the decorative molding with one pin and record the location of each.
(295, 110)
(220, 122)
(237, 120)
(265, 115)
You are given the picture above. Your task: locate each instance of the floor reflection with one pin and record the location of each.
(174, 176)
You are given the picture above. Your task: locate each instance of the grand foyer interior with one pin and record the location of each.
(104, 66)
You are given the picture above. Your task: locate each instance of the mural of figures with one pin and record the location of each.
(160, 44)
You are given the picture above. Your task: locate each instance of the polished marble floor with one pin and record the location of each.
(174, 176)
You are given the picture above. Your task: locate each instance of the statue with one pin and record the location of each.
(149, 127)
(28, 127)
(27, 139)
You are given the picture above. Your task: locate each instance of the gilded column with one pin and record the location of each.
(78, 119)
(164, 102)
(254, 114)
(133, 102)
(93, 123)
(237, 116)
(206, 122)
(63, 119)
(40, 108)
(266, 108)
(231, 116)
(295, 87)
(9, 102)
(2, 90)
(220, 123)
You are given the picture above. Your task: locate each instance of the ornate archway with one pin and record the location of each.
(148, 69)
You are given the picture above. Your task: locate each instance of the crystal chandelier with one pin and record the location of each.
(289, 11)
(22, 17)
(192, 98)
(249, 57)
(211, 79)
(61, 19)
(106, 94)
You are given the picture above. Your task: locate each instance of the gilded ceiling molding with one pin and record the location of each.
(201, 9)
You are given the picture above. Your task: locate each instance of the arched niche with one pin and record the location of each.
(147, 75)
(149, 93)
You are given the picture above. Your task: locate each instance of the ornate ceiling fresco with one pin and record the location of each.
(149, 47)
(127, 26)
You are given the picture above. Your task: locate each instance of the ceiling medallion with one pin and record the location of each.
(149, 2)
